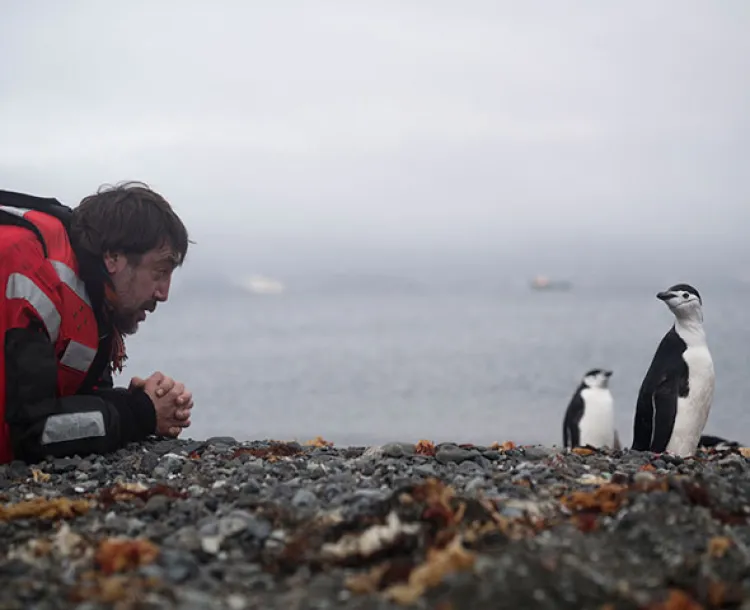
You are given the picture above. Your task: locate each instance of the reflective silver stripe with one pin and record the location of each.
(78, 356)
(65, 273)
(22, 287)
(69, 277)
(16, 211)
(72, 426)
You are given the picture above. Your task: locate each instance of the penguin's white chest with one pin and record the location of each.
(597, 425)
(692, 410)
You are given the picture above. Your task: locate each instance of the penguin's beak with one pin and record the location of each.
(664, 296)
(608, 373)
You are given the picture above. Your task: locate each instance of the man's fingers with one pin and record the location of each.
(176, 391)
(179, 424)
(181, 418)
(182, 403)
(154, 378)
(181, 414)
(164, 386)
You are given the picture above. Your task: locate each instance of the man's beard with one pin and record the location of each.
(126, 323)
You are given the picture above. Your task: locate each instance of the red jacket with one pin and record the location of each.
(56, 395)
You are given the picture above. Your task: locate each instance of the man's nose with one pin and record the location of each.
(162, 291)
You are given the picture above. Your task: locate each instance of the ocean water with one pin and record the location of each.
(466, 366)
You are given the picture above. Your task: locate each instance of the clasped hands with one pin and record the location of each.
(172, 402)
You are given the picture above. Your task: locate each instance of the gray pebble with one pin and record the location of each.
(475, 484)
(304, 498)
(643, 477)
(427, 470)
(156, 504)
(536, 452)
(446, 454)
(186, 538)
(397, 450)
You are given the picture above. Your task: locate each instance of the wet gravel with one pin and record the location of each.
(219, 524)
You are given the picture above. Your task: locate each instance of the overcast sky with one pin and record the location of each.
(308, 127)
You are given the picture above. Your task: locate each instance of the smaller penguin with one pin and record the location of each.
(590, 417)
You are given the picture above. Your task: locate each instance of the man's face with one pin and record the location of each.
(139, 287)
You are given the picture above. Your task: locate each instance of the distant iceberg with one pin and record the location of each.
(259, 284)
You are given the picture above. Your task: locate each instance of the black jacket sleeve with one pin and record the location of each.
(42, 424)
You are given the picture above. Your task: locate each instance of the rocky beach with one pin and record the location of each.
(287, 525)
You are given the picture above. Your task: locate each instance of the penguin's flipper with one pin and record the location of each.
(643, 422)
(573, 415)
(664, 401)
(655, 410)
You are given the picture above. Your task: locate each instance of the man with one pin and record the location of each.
(74, 283)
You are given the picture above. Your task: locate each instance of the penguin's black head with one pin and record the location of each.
(684, 291)
(597, 378)
(683, 300)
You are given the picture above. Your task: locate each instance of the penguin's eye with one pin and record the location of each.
(685, 295)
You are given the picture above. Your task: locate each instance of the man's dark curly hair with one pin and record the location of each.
(130, 218)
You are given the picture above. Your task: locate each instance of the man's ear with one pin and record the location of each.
(115, 261)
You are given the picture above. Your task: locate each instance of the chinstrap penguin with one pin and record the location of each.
(676, 394)
(589, 418)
